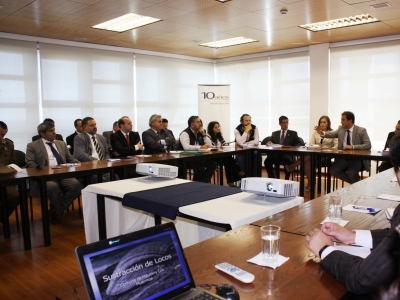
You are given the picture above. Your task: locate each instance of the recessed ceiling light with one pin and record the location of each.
(380, 5)
(126, 22)
(229, 42)
(340, 23)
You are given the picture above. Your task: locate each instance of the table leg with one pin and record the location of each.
(23, 205)
(101, 215)
(302, 174)
(328, 176)
(45, 213)
(312, 179)
(157, 220)
(6, 222)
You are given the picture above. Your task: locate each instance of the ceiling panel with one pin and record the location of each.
(186, 23)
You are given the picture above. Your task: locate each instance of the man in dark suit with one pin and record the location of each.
(48, 151)
(107, 135)
(284, 137)
(70, 138)
(387, 164)
(350, 137)
(165, 124)
(156, 139)
(361, 275)
(126, 142)
(89, 146)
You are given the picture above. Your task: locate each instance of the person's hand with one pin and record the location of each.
(116, 154)
(319, 130)
(247, 128)
(316, 239)
(202, 131)
(140, 146)
(339, 233)
(269, 143)
(348, 147)
(205, 146)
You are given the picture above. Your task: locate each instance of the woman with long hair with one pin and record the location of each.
(232, 171)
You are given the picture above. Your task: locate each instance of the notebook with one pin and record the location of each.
(146, 264)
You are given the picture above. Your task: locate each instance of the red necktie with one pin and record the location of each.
(127, 140)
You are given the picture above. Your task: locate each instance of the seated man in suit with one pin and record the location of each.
(156, 139)
(90, 146)
(284, 137)
(387, 164)
(125, 141)
(7, 156)
(70, 138)
(350, 137)
(48, 151)
(107, 135)
(165, 124)
(58, 136)
(194, 138)
(361, 275)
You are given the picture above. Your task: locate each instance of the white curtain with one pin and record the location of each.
(168, 87)
(19, 90)
(81, 82)
(365, 79)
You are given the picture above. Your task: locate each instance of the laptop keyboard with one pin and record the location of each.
(204, 296)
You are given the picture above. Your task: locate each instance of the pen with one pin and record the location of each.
(370, 209)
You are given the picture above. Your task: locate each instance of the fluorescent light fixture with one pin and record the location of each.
(126, 22)
(229, 42)
(340, 23)
(223, 1)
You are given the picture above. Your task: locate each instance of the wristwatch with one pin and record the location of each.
(322, 250)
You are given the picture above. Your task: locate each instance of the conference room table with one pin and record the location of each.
(315, 153)
(301, 277)
(303, 218)
(194, 223)
(19, 179)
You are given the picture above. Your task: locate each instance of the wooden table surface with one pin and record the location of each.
(301, 219)
(301, 277)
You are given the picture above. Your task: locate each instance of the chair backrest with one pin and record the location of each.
(301, 141)
(58, 137)
(266, 140)
(20, 157)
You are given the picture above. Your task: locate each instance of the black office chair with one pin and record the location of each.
(58, 137)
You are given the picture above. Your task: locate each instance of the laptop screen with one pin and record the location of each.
(147, 264)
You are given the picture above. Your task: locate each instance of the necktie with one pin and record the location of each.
(282, 137)
(55, 153)
(99, 152)
(128, 143)
(348, 138)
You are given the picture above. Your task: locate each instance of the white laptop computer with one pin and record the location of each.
(146, 264)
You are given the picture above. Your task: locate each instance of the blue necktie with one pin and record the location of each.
(55, 153)
(348, 138)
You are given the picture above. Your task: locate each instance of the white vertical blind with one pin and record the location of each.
(168, 86)
(365, 79)
(19, 90)
(249, 82)
(79, 82)
(290, 92)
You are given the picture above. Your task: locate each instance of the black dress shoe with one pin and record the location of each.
(57, 218)
(51, 214)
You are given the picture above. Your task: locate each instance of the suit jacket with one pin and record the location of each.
(36, 155)
(118, 143)
(390, 135)
(70, 142)
(83, 147)
(107, 135)
(363, 275)
(291, 138)
(360, 140)
(151, 144)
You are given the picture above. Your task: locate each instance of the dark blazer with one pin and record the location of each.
(70, 142)
(83, 147)
(360, 140)
(150, 141)
(118, 143)
(291, 138)
(390, 135)
(36, 155)
(364, 275)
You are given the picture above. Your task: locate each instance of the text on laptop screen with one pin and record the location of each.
(143, 269)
